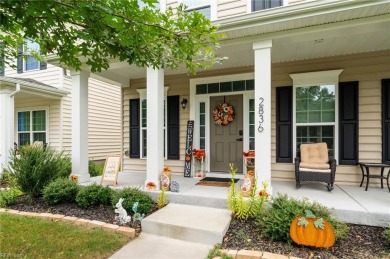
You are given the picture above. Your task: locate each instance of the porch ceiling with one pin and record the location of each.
(299, 32)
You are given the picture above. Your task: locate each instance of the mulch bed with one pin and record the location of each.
(103, 213)
(362, 242)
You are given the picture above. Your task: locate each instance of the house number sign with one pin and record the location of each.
(188, 154)
(261, 112)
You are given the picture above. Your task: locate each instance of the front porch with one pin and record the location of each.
(351, 203)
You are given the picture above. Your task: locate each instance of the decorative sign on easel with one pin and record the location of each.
(188, 154)
(111, 169)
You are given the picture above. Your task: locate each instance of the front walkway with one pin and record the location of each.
(351, 203)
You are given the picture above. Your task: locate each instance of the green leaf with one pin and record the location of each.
(319, 223)
(302, 221)
(309, 214)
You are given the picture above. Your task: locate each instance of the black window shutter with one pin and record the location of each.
(43, 65)
(19, 60)
(284, 124)
(173, 118)
(348, 123)
(134, 128)
(386, 121)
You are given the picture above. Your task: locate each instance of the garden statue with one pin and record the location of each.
(175, 187)
(137, 216)
(122, 217)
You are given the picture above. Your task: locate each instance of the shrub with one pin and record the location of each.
(93, 195)
(60, 191)
(245, 208)
(95, 169)
(9, 197)
(132, 195)
(387, 233)
(275, 221)
(8, 178)
(36, 166)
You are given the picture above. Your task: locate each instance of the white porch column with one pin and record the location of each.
(80, 125)
(262, 52)
(155, 123)
(7, 111)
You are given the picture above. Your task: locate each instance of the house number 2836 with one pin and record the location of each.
(261, 112)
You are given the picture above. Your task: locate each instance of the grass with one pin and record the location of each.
(22, 237)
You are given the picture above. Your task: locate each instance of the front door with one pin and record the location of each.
(226, 140)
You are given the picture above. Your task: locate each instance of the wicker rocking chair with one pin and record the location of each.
(315, 165)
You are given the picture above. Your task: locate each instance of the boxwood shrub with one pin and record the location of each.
(60, 191)
(132, 195)
(93, 195)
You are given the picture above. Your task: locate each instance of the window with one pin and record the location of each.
(32, 126)
(202, 6)
(258, 5)
(202, 125)
(315, 109)
(31, 62)
(315, 115)
(144, 125)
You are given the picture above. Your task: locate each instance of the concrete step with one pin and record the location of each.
(197, 224)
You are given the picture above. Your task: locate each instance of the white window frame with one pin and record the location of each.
(142, 96)
(31, 109)
(213, 8)
(330, 77)
(26, 51)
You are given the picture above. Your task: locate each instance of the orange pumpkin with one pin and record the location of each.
(312, 231)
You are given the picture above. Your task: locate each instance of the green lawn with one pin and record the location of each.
(22, 237)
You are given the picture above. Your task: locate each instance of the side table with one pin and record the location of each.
(365, 167)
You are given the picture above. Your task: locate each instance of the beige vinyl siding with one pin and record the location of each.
(48, 76)
(227, 8)
(104, 119)
(367, 68)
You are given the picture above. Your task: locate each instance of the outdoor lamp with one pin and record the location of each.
(184, 103)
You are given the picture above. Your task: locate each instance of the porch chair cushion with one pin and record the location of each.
(314, 156)
(315, 165)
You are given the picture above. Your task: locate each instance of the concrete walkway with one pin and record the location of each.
(350, 203)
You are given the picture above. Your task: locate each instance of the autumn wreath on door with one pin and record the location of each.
(223, 114)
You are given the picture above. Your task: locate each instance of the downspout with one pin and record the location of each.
(16, 91)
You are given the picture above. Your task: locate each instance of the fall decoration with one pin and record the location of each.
(198, 153)
(74, 178)
(250, 153)
(166, 178)
(309, 230)
(150, 185)
(223, 114)
(248, 183)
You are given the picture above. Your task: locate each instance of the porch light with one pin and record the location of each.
(184, 103)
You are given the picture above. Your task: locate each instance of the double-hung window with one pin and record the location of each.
(202, 6)
(32, 126)
(143, 120)
(315, 109)
(31, 62)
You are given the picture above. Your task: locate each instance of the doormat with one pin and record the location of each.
(217, 182)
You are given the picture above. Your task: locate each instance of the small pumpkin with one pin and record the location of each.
(312, 231)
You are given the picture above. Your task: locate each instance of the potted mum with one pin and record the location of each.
(198, 155)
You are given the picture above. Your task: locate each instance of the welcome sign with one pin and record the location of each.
(188, 154)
